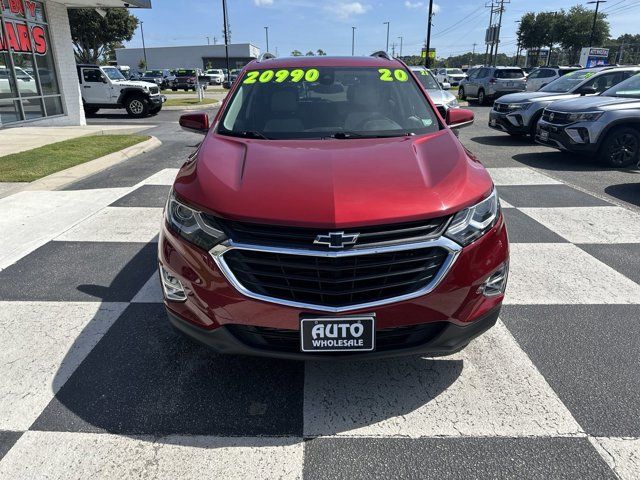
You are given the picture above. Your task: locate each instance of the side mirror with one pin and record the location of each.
(195, 122)
(459, 117)
(446, 86)
(104, 79)
(588, 90)
(226, 85)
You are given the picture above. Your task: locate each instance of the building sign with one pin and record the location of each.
(432, 53)
(21, 38)
(593, 57)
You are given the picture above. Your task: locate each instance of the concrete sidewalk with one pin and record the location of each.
(20, 139)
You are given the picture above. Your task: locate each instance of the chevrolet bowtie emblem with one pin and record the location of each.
(337, 239)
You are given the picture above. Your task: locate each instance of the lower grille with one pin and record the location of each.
(281, 340)
(335, 281)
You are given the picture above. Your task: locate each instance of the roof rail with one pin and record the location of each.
(381, 54)
(265, 56)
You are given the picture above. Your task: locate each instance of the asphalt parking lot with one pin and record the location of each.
(97, 385)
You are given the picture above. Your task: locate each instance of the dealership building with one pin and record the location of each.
(38, 78)
(195, 56)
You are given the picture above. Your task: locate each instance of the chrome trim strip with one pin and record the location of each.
(217, 253)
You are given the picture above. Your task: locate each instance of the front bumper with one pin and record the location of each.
(513, 122)
(214, 307)
(157, 99)
(556, 136)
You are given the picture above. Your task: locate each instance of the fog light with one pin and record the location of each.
(173, 289)
(578, 135)
(497, 282)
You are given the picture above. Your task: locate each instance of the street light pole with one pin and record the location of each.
(226, 37)
(400, 37)
(595, 18)
(144, 48)
(266, 32)
(427, 59)
(353, 41)
(387, 24)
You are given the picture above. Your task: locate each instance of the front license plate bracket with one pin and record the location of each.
(353, 333)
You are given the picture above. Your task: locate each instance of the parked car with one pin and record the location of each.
(186, 79)
(105, 87)
(309, 229)
(606, 125)
(215, 76)
(489, 83)
(26, 83)
(518, 114)
(443, 99)
(159, 77)
(234, 75)
(452, 76)
(542, 76)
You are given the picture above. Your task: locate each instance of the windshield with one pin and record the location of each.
(630, 88)
(455, 71)
(113, 73)
(508, 73)
(568, 82)
(153, 73)
(426, 79)
(338, 102)
(184, 73)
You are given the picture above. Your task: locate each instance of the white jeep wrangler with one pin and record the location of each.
(106, 87)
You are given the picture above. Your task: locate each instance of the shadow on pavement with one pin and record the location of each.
(628, 192)
(144, 379)
(503, 140)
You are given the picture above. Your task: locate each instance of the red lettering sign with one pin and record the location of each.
(18, 38)
(31, 6)
(15, 6)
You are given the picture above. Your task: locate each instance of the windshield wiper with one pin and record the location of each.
(347, 135)
(246, 134)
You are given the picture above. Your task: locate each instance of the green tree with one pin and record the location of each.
(576, 31)
(310, 54)
(296, 53)
(321, 53)
(92, 35)
(142, 65)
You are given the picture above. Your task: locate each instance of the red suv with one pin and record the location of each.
(331, 212)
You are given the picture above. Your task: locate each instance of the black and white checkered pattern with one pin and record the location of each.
(95, 384)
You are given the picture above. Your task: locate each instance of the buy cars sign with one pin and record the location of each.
(18, 36)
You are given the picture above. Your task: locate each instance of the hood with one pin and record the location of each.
(534, 96)
(135, 83)
(456, 75)
(333, 183)
(595, 102)
(440, 97)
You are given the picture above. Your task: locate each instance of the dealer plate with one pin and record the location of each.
(544, 135)
(338, 334)
(492, 122)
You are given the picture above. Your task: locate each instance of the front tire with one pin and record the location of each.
(533, 128)
(481, 97)
(89, 111)
(461, 94)
(137, 106)
(621, 147)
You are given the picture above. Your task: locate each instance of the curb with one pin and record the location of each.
(61, 179)
(194, 107)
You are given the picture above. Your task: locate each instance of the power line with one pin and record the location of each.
(453, 25)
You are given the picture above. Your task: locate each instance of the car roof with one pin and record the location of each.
(324, 61)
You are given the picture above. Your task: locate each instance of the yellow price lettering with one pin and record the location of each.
(251, 77)
(400, 75)
(385, 75)
(282, 75)
(266, 76)
(312, 75)
(297, 75)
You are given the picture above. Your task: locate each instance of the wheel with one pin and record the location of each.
(90, 110)
(461, 94)
(481, 97)
(174, 89)
(137, 106)
(186, 89)
(534, 126)
(621, 147)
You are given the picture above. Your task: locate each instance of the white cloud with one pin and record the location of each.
(263, 3)
(409, 4)
(346, 10)
(436, 9)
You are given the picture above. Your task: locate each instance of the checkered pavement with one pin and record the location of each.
(97, 385)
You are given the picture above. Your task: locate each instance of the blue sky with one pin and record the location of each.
(310, 25)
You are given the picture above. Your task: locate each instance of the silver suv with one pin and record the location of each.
(518, 114)
(606, 125)
(491, 82)
(442, 99)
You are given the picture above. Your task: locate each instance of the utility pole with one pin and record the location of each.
(486, 53)
(595, 18)
(226, 36)
(353, 41)
(393, 49)
(551, 40)
(266, 32)
(387, 24)
(620, 53)
(400, 37)
(495, 55)
(427, 59)
(144, 48)
(208, 42)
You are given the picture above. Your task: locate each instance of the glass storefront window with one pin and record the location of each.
(29, 85)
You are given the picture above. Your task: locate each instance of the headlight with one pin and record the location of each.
(471, 223)
(191, 225)
(518, 106)
(453, 103)
(584, 116)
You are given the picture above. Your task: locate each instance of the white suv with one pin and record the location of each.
(540, 77)
(106, 87)
(452, 76)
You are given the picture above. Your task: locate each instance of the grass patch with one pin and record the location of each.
(183, 102)
(40, 162)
